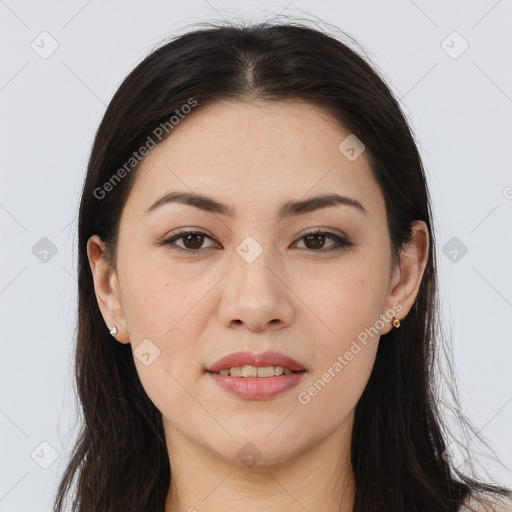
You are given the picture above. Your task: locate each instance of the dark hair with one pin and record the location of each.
(398, 444)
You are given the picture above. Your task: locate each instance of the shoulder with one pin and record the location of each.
(487, 503)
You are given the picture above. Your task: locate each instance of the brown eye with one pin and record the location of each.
(315, 241)
(192, 242)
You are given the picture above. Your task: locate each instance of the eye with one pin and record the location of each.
(193, 240)
(316, 240)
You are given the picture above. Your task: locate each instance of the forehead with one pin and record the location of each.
(244, 152)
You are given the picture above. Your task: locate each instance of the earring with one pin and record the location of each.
(396, 322)
(113, 331)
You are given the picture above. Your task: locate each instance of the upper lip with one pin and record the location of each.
(270, 358)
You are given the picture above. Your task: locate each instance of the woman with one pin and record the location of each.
(257, 289)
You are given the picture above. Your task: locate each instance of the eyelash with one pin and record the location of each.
(341, 243)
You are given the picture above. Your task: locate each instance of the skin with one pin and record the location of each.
(308, 305)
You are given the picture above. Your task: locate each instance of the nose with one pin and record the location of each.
(256, 295)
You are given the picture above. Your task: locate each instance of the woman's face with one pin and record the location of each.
(256, 282)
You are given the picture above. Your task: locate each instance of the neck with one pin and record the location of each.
(319, 478)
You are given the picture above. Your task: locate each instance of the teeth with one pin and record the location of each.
(266, 371)
(256, 371)
(249, 371)
(236, 372)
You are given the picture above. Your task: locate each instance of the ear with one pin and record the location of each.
(106, 286)
(407, 276)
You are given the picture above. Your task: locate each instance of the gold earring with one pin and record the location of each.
(396, 322)
(113, 331)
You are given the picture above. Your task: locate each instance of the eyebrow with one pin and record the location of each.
(289, 208)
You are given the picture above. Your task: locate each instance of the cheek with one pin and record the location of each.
(340, 374)
(163, 321)
(164, 304)
(346, 308)
(345, 299)
(169, 320)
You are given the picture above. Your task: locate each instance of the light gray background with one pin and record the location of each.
(461, 110)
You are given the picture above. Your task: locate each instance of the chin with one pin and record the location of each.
(253, 446)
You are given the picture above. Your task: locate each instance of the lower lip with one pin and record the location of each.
(257, 388)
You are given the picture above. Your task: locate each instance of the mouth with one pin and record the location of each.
(246, 384)
(249, 371)
(251, 376)
(249, 365)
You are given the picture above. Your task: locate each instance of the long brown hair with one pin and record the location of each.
(120, 461)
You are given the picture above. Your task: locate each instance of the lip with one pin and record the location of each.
(269, 358)
(257, 388)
